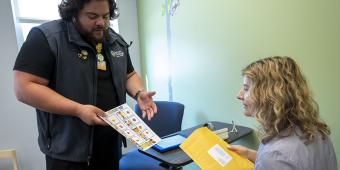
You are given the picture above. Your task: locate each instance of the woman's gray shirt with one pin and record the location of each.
(291, 153)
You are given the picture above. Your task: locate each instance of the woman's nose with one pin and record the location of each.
(240, 95)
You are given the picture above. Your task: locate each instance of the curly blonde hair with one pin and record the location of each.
(282, 99)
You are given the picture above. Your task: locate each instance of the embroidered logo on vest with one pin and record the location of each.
(117, 54)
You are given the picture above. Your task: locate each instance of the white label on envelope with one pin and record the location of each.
(219, 155)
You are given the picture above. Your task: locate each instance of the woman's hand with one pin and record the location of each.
(244, 151)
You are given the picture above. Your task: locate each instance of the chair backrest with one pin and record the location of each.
(10, 154)
(168, 118)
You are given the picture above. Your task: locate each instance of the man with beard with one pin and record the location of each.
(72, 70)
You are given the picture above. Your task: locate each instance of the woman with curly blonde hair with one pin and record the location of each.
(276, 94)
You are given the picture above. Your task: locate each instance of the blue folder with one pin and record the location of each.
(169, 143)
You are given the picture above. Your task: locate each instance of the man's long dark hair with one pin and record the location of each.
(70, 8)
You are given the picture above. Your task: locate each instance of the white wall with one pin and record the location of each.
(128, 28)
(18, 127)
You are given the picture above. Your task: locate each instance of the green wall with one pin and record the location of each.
(213, 40)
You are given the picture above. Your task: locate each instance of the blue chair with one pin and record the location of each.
(167, 120)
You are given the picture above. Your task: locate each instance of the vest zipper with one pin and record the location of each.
(48, 133)
(89, 156)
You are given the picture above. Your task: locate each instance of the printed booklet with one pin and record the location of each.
(131, 126)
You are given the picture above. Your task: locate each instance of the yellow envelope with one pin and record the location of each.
(210, 152)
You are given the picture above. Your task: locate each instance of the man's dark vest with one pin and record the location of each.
(75, 77)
